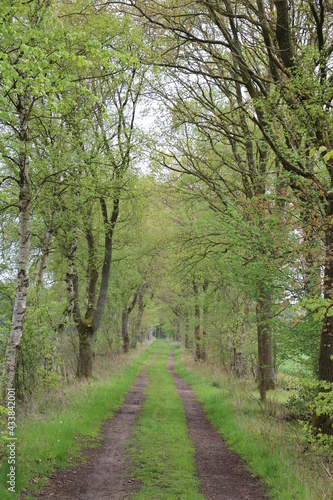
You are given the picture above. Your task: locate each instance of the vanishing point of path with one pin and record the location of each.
(106, 474)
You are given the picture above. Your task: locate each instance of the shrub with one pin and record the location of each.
(313, 408)
(299, 405)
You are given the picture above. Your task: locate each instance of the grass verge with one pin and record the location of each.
(272, 449)
(161, 449)
(53, 439)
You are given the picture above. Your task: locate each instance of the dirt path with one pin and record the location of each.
(221, 473)
(105, 475)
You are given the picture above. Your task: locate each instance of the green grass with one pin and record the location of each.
(162, 452)
(53, 439)
(272, 449)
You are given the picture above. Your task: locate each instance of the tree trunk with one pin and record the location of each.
(187, 344)
(204, 314)
(86, 328)
(138, 330)
(70, 280)
(197, 333)
(266, 375)
(326, 340)
(239, 346)
(125, 321)
(261, 376)
(325, 422)
(283, 33)
(109, 226)
(177, 329)
(239, 364)
(22, 282)
(45, 255)
(86, 338)
(124, 331)
(197, 340)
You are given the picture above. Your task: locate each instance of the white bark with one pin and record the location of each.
(70, 280)
(22, 284)
(45, 254)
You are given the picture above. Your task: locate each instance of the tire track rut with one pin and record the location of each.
(221, 473)
(106, 473)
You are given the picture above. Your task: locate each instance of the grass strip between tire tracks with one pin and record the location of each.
(161, 449)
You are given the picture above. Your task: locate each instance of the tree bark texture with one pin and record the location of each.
(45, 254)
(124, 323)
(186, 327)
(204, 314)
(138, 324)
(109, 225)
(265, 371)
(70, 278)
(325, 422)
(88, 326)
(197, 339)
(124, 331)
(85, 359)
(283, 33)
(22, 282)
(326, 340)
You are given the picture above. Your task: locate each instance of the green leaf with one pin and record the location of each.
(328, 156)
(312, 152)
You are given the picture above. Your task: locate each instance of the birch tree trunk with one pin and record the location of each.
(22, 283)
(45, 255)
(70, 279)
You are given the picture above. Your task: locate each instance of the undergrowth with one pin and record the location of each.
(314, 401)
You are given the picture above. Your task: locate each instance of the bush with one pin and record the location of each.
(299, 405)
(313, 408)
